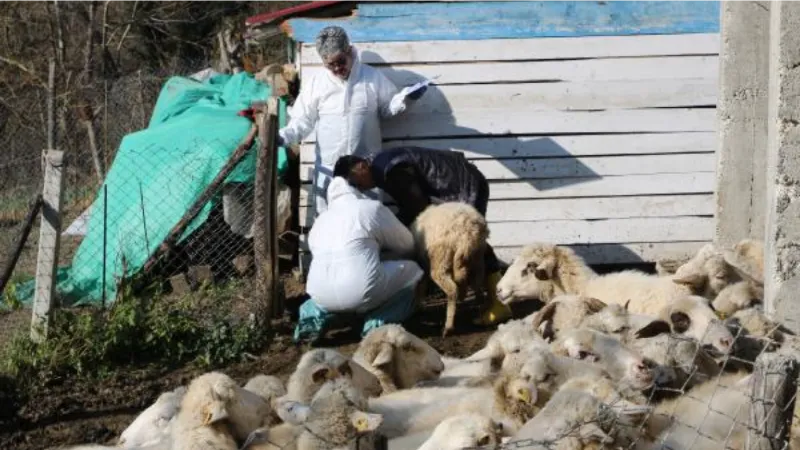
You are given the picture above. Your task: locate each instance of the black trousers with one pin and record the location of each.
(403, 184)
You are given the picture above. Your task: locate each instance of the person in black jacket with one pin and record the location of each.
(417, 177)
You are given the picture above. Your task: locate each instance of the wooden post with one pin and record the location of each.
(51, 105)
(774, 386)
(49, 240)
(265, 239)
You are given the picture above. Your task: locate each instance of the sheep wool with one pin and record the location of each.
(202, 422)
(450, 241)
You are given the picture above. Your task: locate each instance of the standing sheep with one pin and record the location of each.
(397, 358)
(450, 240)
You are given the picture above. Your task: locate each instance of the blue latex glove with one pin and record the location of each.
(418, 93)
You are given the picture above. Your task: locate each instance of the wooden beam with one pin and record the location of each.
(265, 239)
(49, 241)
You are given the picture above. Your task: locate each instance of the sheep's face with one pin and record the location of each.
(209, 397)
(530, 276)
(617, 359)
(537, 370)
(693, 317)
(401, 355)
(519, 390)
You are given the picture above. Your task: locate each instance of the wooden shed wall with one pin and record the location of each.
(603, 143)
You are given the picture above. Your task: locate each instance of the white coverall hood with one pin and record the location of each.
(339, 188)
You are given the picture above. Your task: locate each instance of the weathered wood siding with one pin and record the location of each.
(605, 143)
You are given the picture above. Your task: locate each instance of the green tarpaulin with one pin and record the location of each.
(157, 174)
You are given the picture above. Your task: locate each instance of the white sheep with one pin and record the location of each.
(747, 259)
(680, 361)
(563, 312)
(575, 419)
(450, 241)
(619, 361)
(740, 295)
(205, 414)
(707, 416)
(464, 431)
(509, 339)
(336, 416)
(269, 388)
(397, 358)
(152, 425)
(548, 270)
(320, 365)
(510, 400)
(707, 273)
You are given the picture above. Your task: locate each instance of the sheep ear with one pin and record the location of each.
(544, 314)
(384, 356)
(345, 369)
(691, 279)
(627, 303)
(320, 374)
(595, 305)
(365, 422)
(292, 412)
(214, 413)
(652, 329)
(680, 321)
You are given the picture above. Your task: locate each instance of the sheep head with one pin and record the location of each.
(398, 358)
(565, 311)
(337, 414)
(509, 340)
(543, 271)
(208, 399)
(617, 359)
(692, 316)
(318, 366)
(516, 397)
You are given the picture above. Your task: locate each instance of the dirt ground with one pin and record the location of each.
(67, 413)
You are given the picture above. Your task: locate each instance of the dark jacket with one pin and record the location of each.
(416, 177)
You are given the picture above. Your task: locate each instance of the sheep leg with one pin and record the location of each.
(478, 279)
(445, 282)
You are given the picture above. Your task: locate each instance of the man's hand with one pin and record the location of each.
(279, 141)
(418, 93)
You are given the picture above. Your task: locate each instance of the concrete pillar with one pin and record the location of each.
(742, 121)
(782, 237)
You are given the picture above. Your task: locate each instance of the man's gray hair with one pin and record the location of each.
(332, 40)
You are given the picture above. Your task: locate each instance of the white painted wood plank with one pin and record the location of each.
(618, 253)
(577, 70)
(610, 231)
(524, 121)
(659, 184)
(569, 96)
(589, 208)
(535, 48)
(583, 167)
(582, 145)
(647, 229)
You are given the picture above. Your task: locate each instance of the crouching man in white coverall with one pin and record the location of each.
(345, 103)
(347, 276)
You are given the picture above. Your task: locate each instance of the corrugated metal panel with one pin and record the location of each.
(409, 21)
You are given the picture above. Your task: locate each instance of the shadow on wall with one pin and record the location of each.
(551, 167)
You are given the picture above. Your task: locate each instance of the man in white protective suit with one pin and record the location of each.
(348, 277)
(345, 103)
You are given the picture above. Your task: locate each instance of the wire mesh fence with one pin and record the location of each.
(122, 198)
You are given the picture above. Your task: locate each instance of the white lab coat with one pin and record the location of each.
(346, 272)
(346, 114)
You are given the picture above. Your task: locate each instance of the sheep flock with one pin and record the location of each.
(625, 360)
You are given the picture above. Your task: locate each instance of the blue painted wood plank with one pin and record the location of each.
(377, 22)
